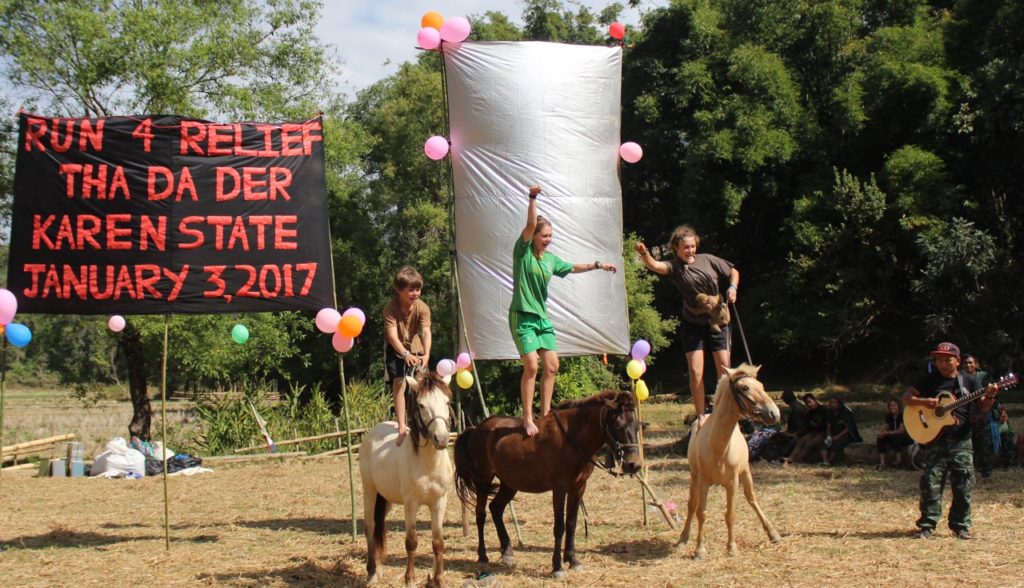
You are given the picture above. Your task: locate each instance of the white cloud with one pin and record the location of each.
(373, 37)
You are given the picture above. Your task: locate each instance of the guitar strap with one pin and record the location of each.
(960, 382)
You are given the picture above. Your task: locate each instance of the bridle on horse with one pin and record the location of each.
(745, 404)
(615, 447)
(420, 428)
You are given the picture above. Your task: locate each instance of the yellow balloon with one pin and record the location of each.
(432, 19)
(634, 369)
(464, 378)
(642, 393)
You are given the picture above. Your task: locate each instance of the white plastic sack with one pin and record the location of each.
(547, 114)
(119, 458)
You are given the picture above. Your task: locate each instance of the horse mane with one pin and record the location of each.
(597, 399)
(744, 369)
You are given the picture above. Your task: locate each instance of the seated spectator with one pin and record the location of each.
(893, 435)
(1007, 449)
(796, 416)
(840, 431)
(806, 445)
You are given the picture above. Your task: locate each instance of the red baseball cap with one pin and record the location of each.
(947, 348)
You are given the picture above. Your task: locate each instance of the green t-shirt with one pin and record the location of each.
(530, 277)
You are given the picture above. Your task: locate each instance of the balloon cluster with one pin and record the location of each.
(17, 334)
(459, 367)
(636, 368)
(344, 326)
(435, 30)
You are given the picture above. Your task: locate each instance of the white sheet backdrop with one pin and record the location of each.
(548, 114)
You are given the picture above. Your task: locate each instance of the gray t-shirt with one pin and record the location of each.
(705, 274)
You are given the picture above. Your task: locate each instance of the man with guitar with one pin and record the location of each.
(950, 450)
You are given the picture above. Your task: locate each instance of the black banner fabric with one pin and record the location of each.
(166, 214)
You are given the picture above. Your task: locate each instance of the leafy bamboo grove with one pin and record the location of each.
(859, 160)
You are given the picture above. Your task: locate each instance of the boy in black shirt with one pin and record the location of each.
(951, 453)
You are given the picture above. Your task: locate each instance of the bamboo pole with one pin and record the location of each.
(3, 379)
(301, 440)
(640, 444)
(163, 431)
(20, 467)
(258, 456)
(19, 447)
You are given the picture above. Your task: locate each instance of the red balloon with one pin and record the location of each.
(617, 30)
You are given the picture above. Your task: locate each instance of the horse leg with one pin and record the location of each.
(691, 509)
(748, 491)
(376, 510)
(558, 501)
(730, 515)
(437, 539)
(481, 520)
(572, 515)
(410, 542)
(702, 511)
(501, 500)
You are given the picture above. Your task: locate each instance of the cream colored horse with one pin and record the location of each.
(417, 472)
(718, 452)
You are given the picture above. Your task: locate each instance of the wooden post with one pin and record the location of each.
(640, 443)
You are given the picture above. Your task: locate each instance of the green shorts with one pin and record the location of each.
(531, 332)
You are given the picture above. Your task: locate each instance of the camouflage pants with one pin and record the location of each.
(947, 459)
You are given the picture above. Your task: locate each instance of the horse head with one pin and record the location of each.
(430, 409)
(748, 392)
(620, 431)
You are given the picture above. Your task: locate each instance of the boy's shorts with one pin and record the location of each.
(531, 332)
(394, 365)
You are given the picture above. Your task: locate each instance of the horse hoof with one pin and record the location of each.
(699, 555)
(776, 538)
(576, 566)
(731, 552)
(558, 574)
(372, 579)
(508, 559)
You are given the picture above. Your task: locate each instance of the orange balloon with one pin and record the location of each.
(432, 19)
(350, 326)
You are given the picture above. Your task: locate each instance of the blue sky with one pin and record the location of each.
(373, 37)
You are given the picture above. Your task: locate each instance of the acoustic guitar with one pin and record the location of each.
(924, 425)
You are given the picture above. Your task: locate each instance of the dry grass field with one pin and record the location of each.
(288, 524)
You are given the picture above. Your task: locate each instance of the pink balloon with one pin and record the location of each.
(445, 367)
(8, 306)
(116, 323)
(436, 147)
(463, 361)
(342, 343)
(327, 320)
(357, 313)
(428, 38)
(631, 152)
(455, 29)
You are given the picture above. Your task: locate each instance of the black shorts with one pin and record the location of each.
(394, 365)
(697, 337)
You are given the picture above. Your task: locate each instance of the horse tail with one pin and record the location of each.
(467, 479)
(380, 510)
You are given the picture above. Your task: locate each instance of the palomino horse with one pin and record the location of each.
(718, 453)
(417, 472)
(558, 458)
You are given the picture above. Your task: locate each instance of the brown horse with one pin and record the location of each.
(718, 453)
(559, 458)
